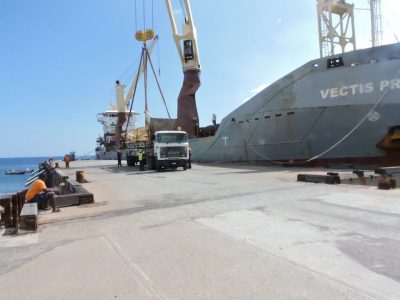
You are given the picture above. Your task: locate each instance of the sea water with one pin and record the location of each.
(15, 183)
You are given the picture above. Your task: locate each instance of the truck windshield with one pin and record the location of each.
(172, 138)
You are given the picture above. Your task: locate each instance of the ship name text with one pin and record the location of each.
(359, 89)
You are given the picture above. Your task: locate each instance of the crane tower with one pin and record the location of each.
(376, 22)
(335, 26)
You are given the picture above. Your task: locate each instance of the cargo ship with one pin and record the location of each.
(341, 109)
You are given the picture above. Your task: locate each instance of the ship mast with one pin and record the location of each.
(335, 26)
(376, 22)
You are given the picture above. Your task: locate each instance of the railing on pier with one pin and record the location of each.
(71, 193)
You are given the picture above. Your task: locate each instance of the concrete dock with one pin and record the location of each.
(211, 232)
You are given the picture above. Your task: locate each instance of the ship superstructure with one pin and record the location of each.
(106, 147)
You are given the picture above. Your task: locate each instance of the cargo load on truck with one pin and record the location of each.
(162, 144)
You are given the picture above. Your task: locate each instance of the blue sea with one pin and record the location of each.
(15, 183)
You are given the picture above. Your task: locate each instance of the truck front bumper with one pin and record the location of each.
(172, 163)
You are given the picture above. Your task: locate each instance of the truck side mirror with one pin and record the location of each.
(153, 137)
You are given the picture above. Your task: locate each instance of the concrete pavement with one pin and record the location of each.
(212, 232)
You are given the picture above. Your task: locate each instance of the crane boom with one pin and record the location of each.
(122, 100)
(188, 50)
(186, 44)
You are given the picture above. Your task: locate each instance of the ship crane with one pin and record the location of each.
(123, 100)
(186, 44)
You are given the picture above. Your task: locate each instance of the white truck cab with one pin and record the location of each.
(170, 150)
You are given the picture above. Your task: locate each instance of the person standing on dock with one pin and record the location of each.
(141, 162)
(39, 193)
(66, 160)
(119, 156)
(51, 164)
(190, 158)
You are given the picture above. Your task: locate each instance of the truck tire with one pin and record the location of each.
(151, 164)
(158, 166)
(184, 166)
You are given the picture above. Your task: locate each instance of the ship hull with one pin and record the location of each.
(106, 155)
(109, 155)
(316, 115)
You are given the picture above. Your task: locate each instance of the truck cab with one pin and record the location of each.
(170, 150)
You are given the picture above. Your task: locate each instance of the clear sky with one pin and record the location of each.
(59, 61)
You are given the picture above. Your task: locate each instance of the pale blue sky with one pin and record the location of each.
(59, 61)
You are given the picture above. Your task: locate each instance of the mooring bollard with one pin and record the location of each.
(80, 176)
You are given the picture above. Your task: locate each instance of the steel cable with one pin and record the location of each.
(133, 99)
(136, 16)
(144, 16)
(158, 84)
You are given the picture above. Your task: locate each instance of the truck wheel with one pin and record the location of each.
(153, 164)
(158, 166)
(185, 166)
